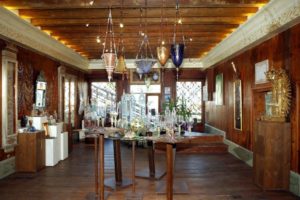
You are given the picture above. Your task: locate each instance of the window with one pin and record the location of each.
(190, 91)
(146, 98)
(69, 101)
(103, 96)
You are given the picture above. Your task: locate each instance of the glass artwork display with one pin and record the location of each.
(238, 105)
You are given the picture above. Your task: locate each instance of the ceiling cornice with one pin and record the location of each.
(273, 18)
(130, 64)
(14, 28)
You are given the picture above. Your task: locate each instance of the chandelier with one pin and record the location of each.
(109, 53)
(177, 49)
(143, 63)
(162, 51)
(121, 65)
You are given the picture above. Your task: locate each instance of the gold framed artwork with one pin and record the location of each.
(260, 69)
(135, 78)
(219, 89)
(238, 114)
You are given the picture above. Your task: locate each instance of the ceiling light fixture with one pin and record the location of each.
(177, 49)
(109, 53)
(143, 62)
(121, 65)
(98, 39)
(162, 51)
(87, 25)
(91, 3)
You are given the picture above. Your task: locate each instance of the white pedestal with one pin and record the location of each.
(53, 130)
(64, 153)
(52, 151)
(81, 135)
(37, 122)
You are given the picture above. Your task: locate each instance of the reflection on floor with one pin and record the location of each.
(208, 176)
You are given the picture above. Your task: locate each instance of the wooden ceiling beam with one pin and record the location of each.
(128, 3)
(134, 29)
(93, 13)
(94, 35)
(135, 21)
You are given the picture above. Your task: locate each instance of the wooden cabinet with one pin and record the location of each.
(272, 152)
(30, 152)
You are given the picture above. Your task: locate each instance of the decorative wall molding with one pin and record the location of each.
(20, 31)
(130, 64)
(273, 18)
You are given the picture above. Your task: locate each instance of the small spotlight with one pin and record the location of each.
(91, 3)
(121, 25)
(87, 25)
(191, 39)
(98, 39)
(180, 21)
(163, 42)
(103, 43)
(142, 34)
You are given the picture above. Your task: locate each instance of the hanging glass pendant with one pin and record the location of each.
(109, 55)
(110, 63)
(177, 51)
(144, 66)
(121, 67)
(163, 54)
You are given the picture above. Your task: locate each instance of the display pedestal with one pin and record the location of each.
(272, 152)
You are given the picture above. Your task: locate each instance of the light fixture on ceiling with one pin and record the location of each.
(143, 63)
(98, 40)
(177, 49)
(87, 24)
(163, 52)
(121, 65)
(109, 51)
(91, 3)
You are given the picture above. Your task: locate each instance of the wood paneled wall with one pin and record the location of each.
(30, 65)
(282, 50)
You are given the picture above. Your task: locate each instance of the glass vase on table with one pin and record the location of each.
(179, 123)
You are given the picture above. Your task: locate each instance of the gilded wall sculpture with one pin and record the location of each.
(280, 100)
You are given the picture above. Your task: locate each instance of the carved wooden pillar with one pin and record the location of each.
(9, 91)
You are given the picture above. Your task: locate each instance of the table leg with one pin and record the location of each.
(169, 180)
(118, 161)
(96, 166)
(118, 181)
(133, 166)
(101, 153)
(151, 172)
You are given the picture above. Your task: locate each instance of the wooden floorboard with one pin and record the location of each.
(209, 177)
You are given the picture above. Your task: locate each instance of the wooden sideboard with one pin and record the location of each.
(30, 152)
(272, 153)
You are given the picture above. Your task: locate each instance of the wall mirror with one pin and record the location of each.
(40, 91)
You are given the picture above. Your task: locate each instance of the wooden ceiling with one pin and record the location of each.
(205, 23)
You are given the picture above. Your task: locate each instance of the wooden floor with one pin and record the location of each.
(209, 177)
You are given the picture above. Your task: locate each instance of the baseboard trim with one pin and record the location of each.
(7, 167)
(240, 152)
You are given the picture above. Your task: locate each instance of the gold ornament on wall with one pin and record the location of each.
(280, 96)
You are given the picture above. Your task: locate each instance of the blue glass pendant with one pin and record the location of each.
(177, 51)
(143, 66)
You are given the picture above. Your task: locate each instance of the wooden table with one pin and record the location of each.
(170, 149)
